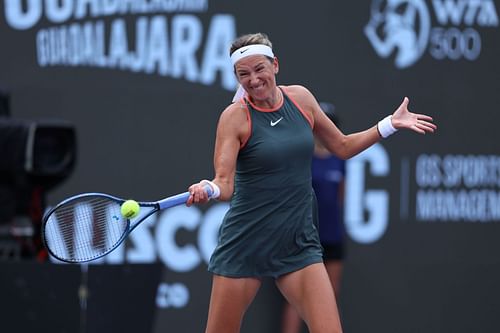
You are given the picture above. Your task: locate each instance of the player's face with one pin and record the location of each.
(257, 76)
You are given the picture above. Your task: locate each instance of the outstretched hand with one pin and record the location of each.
(420, 123)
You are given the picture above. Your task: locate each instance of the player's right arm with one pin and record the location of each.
(232, 130)
(231, 133)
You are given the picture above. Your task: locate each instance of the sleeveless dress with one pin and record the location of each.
(269, 229)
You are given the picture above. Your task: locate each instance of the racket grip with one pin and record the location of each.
(181, 198)
(212, 190)
(209, 191)
(175, 200)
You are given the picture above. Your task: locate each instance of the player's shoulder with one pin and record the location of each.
(297, 92)
(236, 109)
(233, 121)
(296, 89)
(234, 113)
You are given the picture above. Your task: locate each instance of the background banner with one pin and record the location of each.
(144, 82)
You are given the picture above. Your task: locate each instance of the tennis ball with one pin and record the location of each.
(130, 209)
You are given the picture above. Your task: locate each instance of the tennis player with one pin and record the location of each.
(262, 159)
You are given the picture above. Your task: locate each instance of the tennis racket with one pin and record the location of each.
(88, 226)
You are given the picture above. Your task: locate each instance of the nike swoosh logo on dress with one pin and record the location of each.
(274, 123)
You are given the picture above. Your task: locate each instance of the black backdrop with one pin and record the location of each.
(421, 211)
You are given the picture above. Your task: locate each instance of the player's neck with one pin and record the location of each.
(273, 101)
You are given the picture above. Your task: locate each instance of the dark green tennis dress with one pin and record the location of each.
(269, 229)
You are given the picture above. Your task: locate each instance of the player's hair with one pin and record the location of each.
(250, 39)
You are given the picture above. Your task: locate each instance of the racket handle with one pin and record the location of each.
(209, 191)
(180, 199)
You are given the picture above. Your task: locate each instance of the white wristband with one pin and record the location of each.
(385, 127)
(215, 188)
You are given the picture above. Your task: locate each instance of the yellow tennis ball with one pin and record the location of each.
(130, 209)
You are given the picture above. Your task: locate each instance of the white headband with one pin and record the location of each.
(245, 51)
(249, 50)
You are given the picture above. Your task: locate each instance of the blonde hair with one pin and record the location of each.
(250, 39)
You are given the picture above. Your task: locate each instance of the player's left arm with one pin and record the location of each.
(346, 146)
(325, 130)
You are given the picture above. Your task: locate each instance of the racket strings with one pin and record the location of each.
(85, 228)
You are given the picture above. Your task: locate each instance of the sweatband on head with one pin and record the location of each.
(254, 49)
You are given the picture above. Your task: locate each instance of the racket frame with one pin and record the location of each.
(156, 205)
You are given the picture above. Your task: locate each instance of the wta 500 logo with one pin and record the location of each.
(405, 28)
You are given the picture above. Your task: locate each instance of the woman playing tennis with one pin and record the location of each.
(262, 159)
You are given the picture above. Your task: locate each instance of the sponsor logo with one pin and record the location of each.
(366, 210)
(168, 38)
(274, 123)
(446, 29)
(458, 188)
